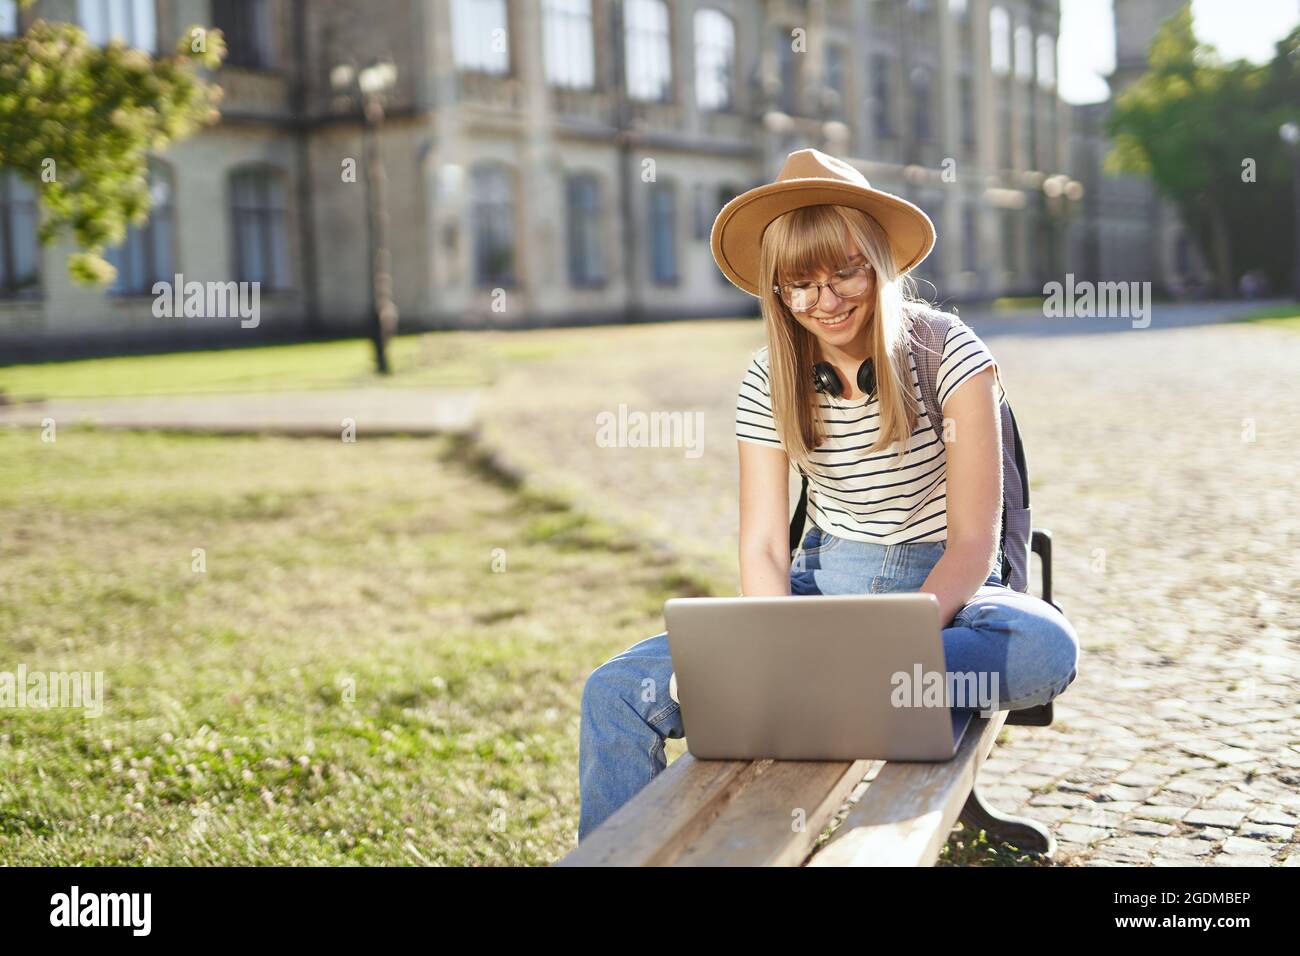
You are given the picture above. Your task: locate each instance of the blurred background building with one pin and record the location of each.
(559, 161)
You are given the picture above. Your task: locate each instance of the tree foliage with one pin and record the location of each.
(78, 122)
(1206, 133)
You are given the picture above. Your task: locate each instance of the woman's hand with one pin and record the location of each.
(973, 442)
(764, 521)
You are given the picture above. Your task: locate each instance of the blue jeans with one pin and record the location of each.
(1028, 644)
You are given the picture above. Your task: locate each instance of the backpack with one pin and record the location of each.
(931, 331)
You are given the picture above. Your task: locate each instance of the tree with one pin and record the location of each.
(78, 122)
(1205, 132)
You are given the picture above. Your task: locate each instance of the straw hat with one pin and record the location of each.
(812, 178)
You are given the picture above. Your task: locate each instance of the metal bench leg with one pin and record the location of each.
(1021, 832)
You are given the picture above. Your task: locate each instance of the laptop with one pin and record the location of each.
(812, 677)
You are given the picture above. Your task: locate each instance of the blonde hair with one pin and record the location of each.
(794, 246)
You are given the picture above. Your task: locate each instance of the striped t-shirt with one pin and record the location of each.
(865, 497)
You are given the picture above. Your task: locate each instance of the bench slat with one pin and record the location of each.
(757, 827)
(674, 808)
(908, 811)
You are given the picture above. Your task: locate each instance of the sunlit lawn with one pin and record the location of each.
(432, 360)
(349, 681)
(1286, 316)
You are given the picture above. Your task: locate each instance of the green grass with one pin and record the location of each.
(428, 360)
(1286, 316)
(1017, 303)
(349, 681)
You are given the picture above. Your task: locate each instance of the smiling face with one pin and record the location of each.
(840, 321)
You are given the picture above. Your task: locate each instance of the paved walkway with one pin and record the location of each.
(1162, 459)
(412, 411)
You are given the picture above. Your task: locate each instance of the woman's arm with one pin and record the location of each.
(974, 494)
(764, 521)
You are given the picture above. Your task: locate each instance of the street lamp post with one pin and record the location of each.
(1290, 133)
(371, 84)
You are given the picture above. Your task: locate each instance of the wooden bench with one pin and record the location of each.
(772, 813)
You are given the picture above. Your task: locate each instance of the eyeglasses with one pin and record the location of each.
(847, 284)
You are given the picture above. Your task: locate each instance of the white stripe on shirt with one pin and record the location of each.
(860, 495)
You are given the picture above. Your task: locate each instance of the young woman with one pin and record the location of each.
(891, 507)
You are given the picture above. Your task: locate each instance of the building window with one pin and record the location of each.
(480, 36)
(835, 80)
(567, 41)
(8, 18)
(260, 216)
(999, 41)
(649, 55)
(788, 67)
(880, 99)
(492, 211)
(131, 21)
(934, 261)
(1024, 53)
(1010, 242)
(146, 255)
(1046, 61)
(726, 192)
(1005, 133)
(921, 105)
(701, 207)
(715, 60)
(586, 255)
(19, 249)
(966, 90)
(246, 25)
(663, 233)
(970, 239)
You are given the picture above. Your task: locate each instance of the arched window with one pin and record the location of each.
(248, 29)
(1024, 53)
(492, 214)
(882, 104)
(260, 225)
(715, 60)
(586, 251)
(999, 41)
(480, 35)
(1046, 61)
(647, 50)
(567, 42)
(8, 18)
(922, 127)
(663, 233)
(147, 254)
(19, 250)
(131, 21)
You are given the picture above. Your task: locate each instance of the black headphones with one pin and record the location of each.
(827, 380)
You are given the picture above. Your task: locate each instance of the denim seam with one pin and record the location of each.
(663, 714)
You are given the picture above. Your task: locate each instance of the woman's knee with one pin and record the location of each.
(1049, 652)
(639, 675)
(1040, 647)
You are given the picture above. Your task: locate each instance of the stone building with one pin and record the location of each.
(1124, 231)
(557, 161)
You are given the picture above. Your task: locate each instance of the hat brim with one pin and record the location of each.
(737, 233)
